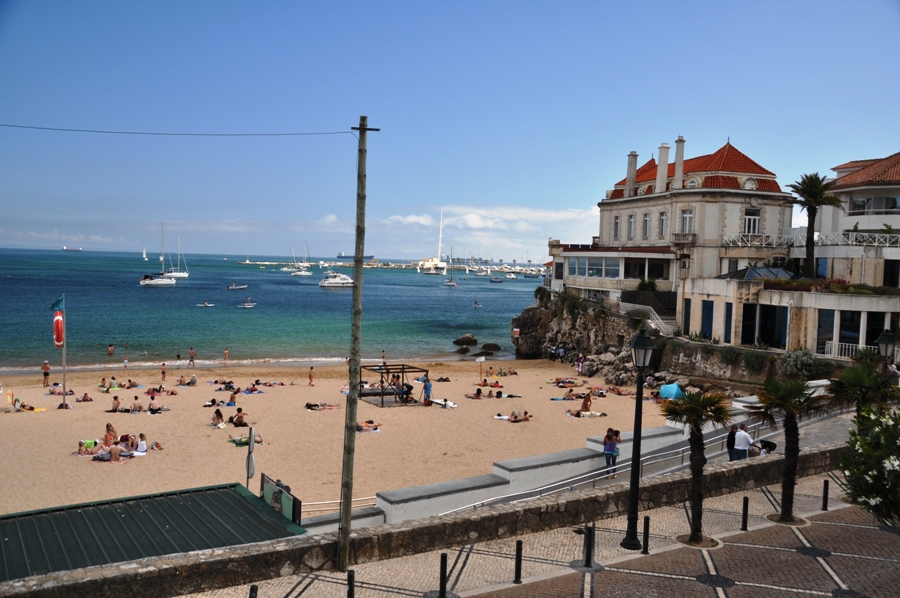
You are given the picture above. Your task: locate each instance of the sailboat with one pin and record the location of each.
(432, 264)
(449, 282)
(145, 254)
(159, 280)
(300, 269)
(175, 271)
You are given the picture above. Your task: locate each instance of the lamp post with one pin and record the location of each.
(641, 352)
(886, 345)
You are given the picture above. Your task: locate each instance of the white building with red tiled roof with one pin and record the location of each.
(692, 218)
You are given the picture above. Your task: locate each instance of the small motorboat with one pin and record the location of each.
(236, 287)
(335, 280)
(247, 305)
(206, 304)
(511, 276)
(449, 283)
(149, 280)
(496, 279)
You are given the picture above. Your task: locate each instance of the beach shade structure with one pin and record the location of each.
(670, 391)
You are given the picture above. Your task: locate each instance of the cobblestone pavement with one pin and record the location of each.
(841, 552)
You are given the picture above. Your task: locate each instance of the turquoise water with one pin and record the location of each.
(406, 314)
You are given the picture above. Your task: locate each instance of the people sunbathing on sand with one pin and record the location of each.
(322, 406)
(477, 394)
(84, 399)
(64, 405)
(367, 426)
(517, 417)
(508, 395)
(89, 447)
(137, 406)
(110, 437)
(131, 384)
(154, 407)
(116, 405)
(217, 418)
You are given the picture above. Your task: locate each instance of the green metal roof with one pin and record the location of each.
(99, 533)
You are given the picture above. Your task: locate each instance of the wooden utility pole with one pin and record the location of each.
(355, 327)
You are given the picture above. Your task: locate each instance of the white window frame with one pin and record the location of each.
(645, 229)
(617, 227)
(631, 226)
(687, 221)
(751, 222)
(662, 224)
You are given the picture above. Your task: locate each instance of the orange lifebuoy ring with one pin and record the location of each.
(58, 330)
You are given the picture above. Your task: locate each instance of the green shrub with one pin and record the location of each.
(804, 365)
(755, 362)
(729, 355)
(868, 356)
(647, 285)
(872, 465)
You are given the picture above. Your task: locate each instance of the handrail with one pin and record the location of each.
(652, 316)
(571, 483)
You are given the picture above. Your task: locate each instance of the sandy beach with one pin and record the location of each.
(415, 445)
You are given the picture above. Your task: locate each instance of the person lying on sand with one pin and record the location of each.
(508, 395)
(89, 447)
(84, 399)
(366, 426)
(131, 384)
(477, 394)
(517, 417)
(490, 394)
(244, 440)
(64, 405)
(322, 406)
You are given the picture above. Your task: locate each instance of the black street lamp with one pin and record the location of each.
(886, 345)
(641, 352)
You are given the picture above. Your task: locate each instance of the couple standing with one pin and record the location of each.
(738, 443)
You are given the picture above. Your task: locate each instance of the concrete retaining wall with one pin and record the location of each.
(211, 569)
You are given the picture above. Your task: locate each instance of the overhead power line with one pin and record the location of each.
(165, 134)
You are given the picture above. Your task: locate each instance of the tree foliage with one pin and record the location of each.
(812, 192)
(872, 465)
(697, 410)
(803, 364)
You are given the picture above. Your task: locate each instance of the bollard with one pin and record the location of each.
(442, 592)
(825, 496)
(744, 514)
(588, 546)
(351, 583)
(518, 578)
(646, 548)
(253, 590)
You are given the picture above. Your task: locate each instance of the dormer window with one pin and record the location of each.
(750, 185)
(692, 184)
(640, 190)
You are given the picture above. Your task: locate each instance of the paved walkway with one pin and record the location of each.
(841, 552)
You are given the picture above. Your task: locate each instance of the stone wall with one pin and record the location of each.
(211, 569)
(704, 361)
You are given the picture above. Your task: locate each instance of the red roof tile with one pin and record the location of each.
(720, 181)
(726, 159)
(855, 164)
(768, 185)
(881, 172)
(617, 194)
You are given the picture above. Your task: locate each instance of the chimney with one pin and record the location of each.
(662, 169)
(632, 173)
(678, 181)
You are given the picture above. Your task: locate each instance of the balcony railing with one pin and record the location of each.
(775, 241)
(848, 350)
(683, 238)
(875, 239)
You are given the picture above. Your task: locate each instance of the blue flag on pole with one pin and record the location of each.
(59, 304)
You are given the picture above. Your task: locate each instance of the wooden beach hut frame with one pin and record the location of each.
(385, 371)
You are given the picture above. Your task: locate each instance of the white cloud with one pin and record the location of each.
(424, 220)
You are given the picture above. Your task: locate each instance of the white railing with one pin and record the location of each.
(875, 239)
(848, 350)
(784, 241)
(652, 316)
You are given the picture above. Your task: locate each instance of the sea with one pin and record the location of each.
(409, 316)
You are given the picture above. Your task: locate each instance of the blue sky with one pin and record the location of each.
(512, 117)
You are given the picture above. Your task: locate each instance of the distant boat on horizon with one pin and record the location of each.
(342, 256)
(64, 248)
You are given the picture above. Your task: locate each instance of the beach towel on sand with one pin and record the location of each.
(362, 431)
(253, 392)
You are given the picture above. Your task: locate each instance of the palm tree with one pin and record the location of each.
(696, 410)
(812, 193)
(792, 401)
(863, 386)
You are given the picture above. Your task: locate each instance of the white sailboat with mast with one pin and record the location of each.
(434, 265)
(159, 280)
(176, 271)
